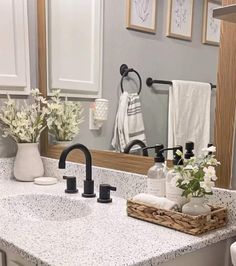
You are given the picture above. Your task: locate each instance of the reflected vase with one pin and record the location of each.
(196, 206)
(28, 163)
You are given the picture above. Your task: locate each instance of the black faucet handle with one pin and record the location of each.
(104, 193)
(88, 189)
(70, 184)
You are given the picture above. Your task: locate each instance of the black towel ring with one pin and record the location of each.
(124, 70)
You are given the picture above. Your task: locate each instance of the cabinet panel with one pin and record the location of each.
(74, 42)
(14, 47)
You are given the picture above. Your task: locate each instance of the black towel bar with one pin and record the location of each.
(151, 81)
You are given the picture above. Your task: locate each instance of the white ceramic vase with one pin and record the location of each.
(28, 163)
(196, 206)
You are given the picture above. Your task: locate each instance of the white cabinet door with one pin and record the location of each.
(14, 47)
(74, 42)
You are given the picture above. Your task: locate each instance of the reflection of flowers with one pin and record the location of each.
(142, 9)
(180, 13)
(65, 117)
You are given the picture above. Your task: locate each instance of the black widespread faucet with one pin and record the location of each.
(88, 182)
(136, 142)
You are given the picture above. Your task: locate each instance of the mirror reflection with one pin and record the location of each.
(95, 69)
(188, 108)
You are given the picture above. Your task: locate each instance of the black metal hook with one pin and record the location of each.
(124, 70)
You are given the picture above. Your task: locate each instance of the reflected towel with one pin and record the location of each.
(189, 114)
(156, 202)
(129, 122)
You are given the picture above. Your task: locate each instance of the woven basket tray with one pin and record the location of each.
(194, 225)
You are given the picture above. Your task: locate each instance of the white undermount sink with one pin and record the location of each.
(43, 207)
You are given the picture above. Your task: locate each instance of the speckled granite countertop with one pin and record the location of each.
(105, 237)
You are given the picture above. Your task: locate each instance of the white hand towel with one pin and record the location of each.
(156, 202)
(189, 114)
(129, 122)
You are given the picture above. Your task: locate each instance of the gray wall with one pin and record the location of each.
(152, 55)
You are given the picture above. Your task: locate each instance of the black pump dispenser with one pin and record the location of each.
(159, 149)
(189, 146)
(159, 158)
(177, 159)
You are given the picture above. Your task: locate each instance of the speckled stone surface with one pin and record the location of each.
(6, 168)
(105, 235)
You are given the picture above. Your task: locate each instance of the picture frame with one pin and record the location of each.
(180, 19)
(211, 26)
(141, 15)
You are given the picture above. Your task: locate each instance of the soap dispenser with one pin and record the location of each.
(156, 174)
(189, 147)
(173, 192)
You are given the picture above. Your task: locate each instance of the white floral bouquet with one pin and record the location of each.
(65, 117)
(26, 123)
(197, 176)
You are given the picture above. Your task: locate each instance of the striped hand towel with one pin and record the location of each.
(129, 122)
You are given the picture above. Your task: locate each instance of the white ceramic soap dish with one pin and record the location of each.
(45, 181)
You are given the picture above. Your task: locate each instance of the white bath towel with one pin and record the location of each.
(156, 202)
(129, 122)
(189, 114)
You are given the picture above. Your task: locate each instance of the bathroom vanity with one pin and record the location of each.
(82, 231)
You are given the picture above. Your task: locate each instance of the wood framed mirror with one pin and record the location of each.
(139, 164)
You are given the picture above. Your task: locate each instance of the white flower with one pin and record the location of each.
(213, 161)
(210, 172)
(207, 184)
(188, 167)
(210, 149)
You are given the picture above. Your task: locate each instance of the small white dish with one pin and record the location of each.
(45, 181)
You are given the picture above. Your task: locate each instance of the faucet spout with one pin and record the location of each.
(134, 142)
(88, 182)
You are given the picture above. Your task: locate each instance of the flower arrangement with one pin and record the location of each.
(65, 117)
(24, 124)
(197, 176)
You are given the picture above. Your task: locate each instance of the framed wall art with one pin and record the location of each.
(141, 15)
(180, 19)
(211, 26)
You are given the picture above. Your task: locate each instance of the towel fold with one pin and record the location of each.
(129, 122)
(156, 202)
(189, 114)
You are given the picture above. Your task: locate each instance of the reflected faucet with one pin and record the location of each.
(88, 182)
(136, 142)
